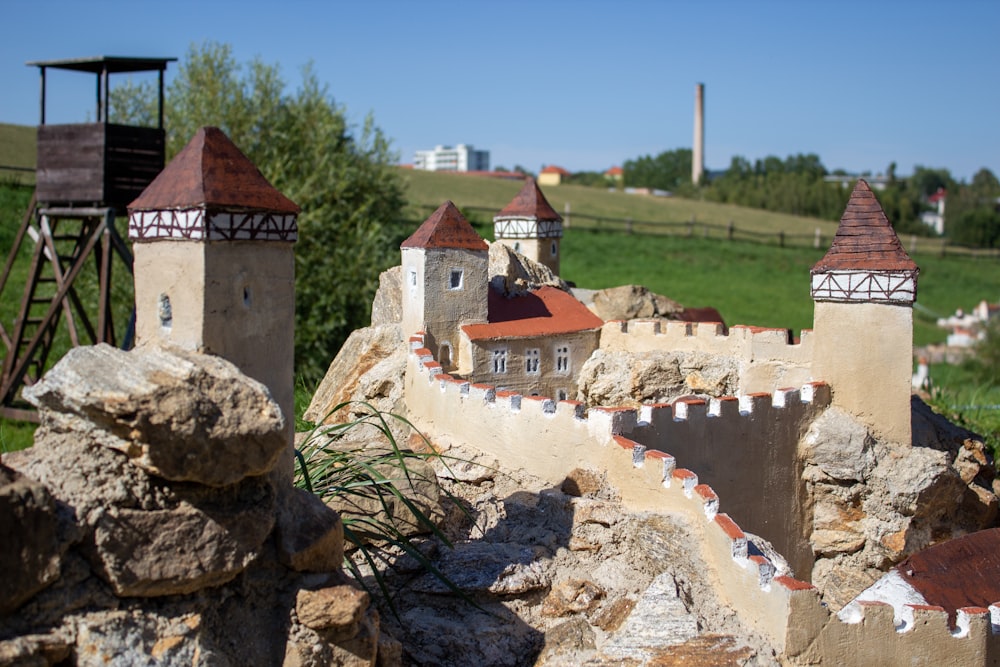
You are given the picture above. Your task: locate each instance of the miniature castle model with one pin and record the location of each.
(214, 264)
(759, 452)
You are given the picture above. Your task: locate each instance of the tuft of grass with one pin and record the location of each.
(373, 477)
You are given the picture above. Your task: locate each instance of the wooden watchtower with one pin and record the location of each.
(87, 174)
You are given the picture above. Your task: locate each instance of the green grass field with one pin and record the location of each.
(17, 149)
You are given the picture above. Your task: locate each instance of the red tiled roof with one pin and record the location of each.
(938, 196)
(545, 311)
(552, 169)
(865, 240)
(963, 572)
(210, 171)
(446, 228)
(614, 171)
(530, 203)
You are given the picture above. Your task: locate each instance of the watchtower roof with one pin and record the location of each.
(530, 203)
(111, 64)
(865, 240)
(211, 172)
(446, 228)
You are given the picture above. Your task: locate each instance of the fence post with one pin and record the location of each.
(913, 243)
(781, 239)
(691, 226)
(818, 241)
(944, 247)
(628, 225)
(566, 217)
(704, 231)
(730, 229)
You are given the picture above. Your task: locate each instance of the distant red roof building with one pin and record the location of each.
(615, 173)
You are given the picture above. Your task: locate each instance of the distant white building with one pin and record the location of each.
(462, 157)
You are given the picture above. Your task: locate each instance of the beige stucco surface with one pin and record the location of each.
(865, 352)
(538, 250)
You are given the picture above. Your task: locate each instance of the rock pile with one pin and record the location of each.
(147, 521)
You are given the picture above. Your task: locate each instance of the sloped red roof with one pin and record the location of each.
(530, 203)
(938, 196)
(552, 169)
(545, 311)
(614, 171)
(210, 171)
(963, 572)
(865, 240)
(446, 228)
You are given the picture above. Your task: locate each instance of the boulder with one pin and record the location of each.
(310, 534)
(369, 369)
(839, 445)
(335, 611)
(387, 307)
(512, 273)
(629, 302)
(29, 532)
(182, 416)
(625, 378)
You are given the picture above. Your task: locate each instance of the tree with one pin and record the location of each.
(666, 171)
(341, 176)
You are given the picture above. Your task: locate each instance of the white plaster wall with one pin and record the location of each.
(549, 380)
(865, 352)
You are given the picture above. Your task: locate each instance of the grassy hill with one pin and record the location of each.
(17, 149)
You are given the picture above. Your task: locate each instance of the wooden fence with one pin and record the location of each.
(730, 232)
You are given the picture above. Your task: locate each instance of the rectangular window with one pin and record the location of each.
(455, 281)
(555, 248)
(413, 278)
(562, 359)
(500, 360)
(561, 395)
(531, 361)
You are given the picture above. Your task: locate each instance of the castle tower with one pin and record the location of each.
(214, 266)
(445, 281)
(864, 289)
(530, 226)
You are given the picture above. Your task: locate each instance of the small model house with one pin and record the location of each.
(529, 225)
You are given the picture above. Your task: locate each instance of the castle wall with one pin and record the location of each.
(766, 358)
(552, 438)
(747, 449)
(865, 352)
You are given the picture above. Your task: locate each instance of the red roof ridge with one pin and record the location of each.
(530, 202)
(446, 228)
(865, 240)
(211, 172)
(553, 169)
(542, 312)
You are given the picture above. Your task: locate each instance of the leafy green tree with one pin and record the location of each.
(341, 176)
(667, 171)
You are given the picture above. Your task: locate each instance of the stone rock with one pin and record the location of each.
(180, 415)
(497, 568)
(175, 551)
(581, 482)
(417, 485)
(564, 643)
(335, 612)
(29, 532)
(659, 619)
(839, 445)
(387, 308)
(572, 596)
(476, 470)
(623, 378)
(629, 302)
(512, 273)
(610, 616)
(310, 535)
(368, 369)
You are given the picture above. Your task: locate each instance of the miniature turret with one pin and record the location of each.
(214, 266)
(864, 289)
(530, 226)
(445, 281)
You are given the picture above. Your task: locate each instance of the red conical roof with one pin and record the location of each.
(865, 240)
(530, 203)
(211, 172)
(446, 228)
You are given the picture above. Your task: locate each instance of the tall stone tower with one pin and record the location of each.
(864, 289)
(445, 281)
(214, 266)
(530, 226)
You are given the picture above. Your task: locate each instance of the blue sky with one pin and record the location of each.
(580, 83)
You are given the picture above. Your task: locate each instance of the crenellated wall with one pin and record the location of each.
(552, 438)
(766, 357)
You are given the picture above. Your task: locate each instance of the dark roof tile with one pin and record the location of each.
(530, 203)
(446, 228)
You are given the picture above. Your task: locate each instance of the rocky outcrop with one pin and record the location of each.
(873, 504)
(629, 302)
(144, 521)
(623, 378)
(512, 273)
